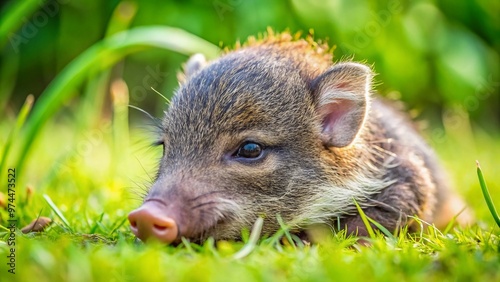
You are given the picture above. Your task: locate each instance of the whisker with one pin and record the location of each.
(140, 189)
(156, 121)
(151, 180)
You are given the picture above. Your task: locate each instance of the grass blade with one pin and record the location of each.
(487, 196)
(120, 101)
(286, 231)
(122, 17)
(187, 244)
(93, 100)
(384, 230)
(57, 211)
(13, 17)
(114, 228)
(96, 225)
(369, 228)
(453, 221)
(21, 118)
(252, 242)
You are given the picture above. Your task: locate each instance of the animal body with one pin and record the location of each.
(274, 127)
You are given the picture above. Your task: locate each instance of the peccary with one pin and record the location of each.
(274, 128)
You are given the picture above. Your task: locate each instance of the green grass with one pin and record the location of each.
(487, 195)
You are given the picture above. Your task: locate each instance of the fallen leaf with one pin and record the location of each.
(37, 225)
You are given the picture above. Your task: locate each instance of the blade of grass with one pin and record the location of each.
(453, 221)
(94, 228)
(252, 242)
(286, 230)
(120, 101)
(122, 17)
(103, 227)
(187, 244)
(93, 98)
(21, 118)
(382, 228)
(487, 196)
(105, 53)
(369, 228)
(120, 224)
(13, 17)
(57, 211)
(209, 247)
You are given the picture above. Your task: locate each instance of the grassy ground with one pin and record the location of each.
(92, 179)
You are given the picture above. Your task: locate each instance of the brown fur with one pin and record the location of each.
(326, 143)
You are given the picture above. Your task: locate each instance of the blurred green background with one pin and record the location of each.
(435, 55)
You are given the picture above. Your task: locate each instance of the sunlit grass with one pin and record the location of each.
(487, 195)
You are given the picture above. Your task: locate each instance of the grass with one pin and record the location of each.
(487, 195)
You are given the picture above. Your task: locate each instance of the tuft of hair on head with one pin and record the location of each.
(286, 39)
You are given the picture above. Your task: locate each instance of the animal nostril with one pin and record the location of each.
(133, 223)
(160, 227)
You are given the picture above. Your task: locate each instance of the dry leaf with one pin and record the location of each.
(37, 225)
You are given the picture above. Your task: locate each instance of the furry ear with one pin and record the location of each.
(195, 63)
(342, 94)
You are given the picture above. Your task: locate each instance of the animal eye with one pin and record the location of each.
(249, 150)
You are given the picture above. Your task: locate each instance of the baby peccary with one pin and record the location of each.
(273, 128)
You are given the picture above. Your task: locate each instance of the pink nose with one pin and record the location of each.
(149, 221)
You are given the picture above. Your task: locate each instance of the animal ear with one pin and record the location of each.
(195, 63)
(342, 94)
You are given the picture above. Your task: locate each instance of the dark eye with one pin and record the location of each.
(249, 150)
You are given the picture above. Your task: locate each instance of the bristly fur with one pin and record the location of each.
(326, 142)
(286, 40)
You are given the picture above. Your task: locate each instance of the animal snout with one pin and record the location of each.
(150, 222)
